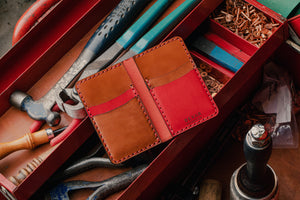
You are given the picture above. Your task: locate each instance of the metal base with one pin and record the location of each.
(236, 192)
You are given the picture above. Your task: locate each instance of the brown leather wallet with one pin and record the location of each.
(146, 100)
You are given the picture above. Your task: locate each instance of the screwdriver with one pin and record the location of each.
(29, 141)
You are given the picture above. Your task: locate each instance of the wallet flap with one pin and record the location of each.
(184, 102)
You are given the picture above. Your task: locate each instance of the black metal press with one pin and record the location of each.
(255, 179)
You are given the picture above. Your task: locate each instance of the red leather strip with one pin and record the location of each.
(154, 113)
(112, 104)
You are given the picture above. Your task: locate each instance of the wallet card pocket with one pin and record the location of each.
(129, 127)
(184, 102)
(117, 114)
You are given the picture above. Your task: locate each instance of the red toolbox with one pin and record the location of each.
(38, 60)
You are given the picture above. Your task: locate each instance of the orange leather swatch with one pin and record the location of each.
(146, 100)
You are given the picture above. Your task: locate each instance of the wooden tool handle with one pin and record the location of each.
(28, 141)
(210, 190)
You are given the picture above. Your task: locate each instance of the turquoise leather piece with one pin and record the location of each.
(172, 19)
(217, 54)
(287, 8)
(144, 22)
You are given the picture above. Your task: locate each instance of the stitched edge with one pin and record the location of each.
(149, 122)
(159, 106)
(87, 107)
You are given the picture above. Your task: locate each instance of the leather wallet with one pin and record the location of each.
(146, 100)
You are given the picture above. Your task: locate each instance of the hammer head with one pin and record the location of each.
(35, 109)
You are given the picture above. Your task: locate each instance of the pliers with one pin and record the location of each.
(101, 189)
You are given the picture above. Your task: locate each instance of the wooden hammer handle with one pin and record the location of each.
(28, 141)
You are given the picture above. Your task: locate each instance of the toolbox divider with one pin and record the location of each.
(220, 73)
(247, 49)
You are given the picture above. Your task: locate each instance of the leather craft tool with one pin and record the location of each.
(255, 179)
(28, 141)
(112, 27)
(216, 54)
(102, 188)
(24, 172)
(110, 55)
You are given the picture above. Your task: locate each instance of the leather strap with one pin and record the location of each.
(147, 99)
(112, 104)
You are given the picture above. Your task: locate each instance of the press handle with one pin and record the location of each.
(257, 150)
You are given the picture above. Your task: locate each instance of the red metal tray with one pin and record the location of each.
(36, 61)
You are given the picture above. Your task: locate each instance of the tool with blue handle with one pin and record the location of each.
(216, 54)
(151, 37)
(111, 28)
(111, 54)
(127, 39)
(101, 189)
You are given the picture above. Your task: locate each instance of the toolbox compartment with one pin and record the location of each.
(55, 49)
(237, 87)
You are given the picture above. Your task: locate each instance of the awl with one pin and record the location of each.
(29, 141)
